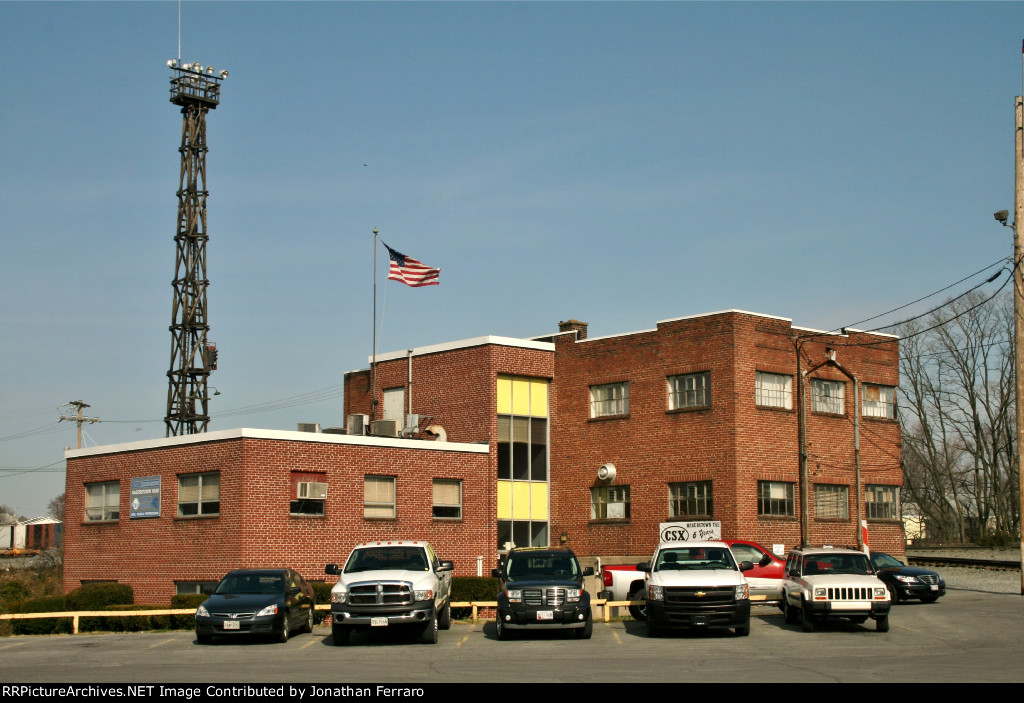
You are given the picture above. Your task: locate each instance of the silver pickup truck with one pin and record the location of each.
(391, 584)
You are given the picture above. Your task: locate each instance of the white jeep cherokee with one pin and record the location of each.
(823, 582)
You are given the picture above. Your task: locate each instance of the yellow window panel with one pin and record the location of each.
(520, 500)
(504, 500)
(538, 501)
(504, 395)
(538, 398)
(520, 396)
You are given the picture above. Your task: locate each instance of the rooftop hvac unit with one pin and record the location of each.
(384, 428)
(309, 427)
(308, 490)
(357, 423)
(412, 425)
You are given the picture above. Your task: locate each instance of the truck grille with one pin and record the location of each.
(537, 597)
(381, 593)
(695, 595)
(849, 594)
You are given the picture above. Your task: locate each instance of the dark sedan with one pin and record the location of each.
(272, 602)
(905, 581)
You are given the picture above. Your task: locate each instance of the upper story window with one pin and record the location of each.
(774, 390)
(522, 428)
(102, 501)
(447, 498)
(830, 502)
(775, 498)
(609, 503)
(609, 399)
(309, 493)
(827, 396)
(691, 390)
(199, 494)
(879, 401)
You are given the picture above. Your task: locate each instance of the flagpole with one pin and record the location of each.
(373, 366)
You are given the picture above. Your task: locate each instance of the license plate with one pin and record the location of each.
(231, 624)
(935, 587)
(378, 622)
(699, 620)
(545, 615)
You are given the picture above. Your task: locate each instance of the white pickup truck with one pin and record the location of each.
(391, 584)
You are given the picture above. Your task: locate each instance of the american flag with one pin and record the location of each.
(410, 271)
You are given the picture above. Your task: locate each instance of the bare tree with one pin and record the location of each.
(957, 413)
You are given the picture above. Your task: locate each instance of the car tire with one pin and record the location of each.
(743, 630)
(639, 612)
(445, 620)
(585, 632)
(501, 631)
(792, 614)
(894, 594)
(339, 635)
(285, 629)
(429, 633)
(204, 638)
(882, 623)
(653, 631)
(309, 621)
(806, 617)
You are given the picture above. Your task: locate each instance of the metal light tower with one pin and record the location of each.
(196, 90)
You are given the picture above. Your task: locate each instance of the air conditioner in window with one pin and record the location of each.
(308, 490)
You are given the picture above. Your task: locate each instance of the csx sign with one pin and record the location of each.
(690, 531)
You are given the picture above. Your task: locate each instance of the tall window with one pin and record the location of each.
(379, 496)
(827, 396)
(447, 498)
(689, 391)
(609, 399)
(199, 494)
(882, 502)
(309, 493)
(775, 498)
(774, 390)
(830, 502)
(522, 490)
(879, 401)
(102, 501)
(609, 503)
(690, 499)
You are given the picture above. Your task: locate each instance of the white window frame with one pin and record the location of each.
(609, 503)
(831, 501)
(443, 500)
(609, 399)
(103, 501)
(828, 397)
(691, 390)
(878, 401)
(774, 390)
(882, 502)
(207, 494)
(377, 503)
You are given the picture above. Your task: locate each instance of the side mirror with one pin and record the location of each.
(332, 569)
(588, 571)
(496, 573)
(446, 566)
(644, 566)
(765, 560)
(746, 565)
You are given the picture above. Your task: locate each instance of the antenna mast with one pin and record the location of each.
(196, 90)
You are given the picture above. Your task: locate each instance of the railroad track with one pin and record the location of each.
(993, 564)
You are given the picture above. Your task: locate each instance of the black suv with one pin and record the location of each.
(542, 588)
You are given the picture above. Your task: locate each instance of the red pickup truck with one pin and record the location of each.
(625, 582)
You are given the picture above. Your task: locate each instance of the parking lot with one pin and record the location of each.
(966, 636)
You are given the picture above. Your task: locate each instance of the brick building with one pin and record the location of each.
(500, 440)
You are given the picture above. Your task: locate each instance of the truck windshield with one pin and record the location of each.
(533, 567)
(694, 558)
(837, 564)
(386, 559)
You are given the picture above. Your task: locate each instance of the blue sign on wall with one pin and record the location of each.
(145, 497)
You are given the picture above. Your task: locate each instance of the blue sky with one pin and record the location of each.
(618, 163)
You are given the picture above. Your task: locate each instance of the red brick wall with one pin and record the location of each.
(254, 527)
(734, 443)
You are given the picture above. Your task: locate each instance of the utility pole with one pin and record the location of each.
(79, 419)
(1018, 309)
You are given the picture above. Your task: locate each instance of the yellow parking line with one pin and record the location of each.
(159, 644)
(462, 641)
(615, 634)
(311, 641)
(12, 644)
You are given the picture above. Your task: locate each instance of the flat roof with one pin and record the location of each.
(279, 435)
(464, 344)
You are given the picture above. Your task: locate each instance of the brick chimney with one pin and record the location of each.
(580, 328)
